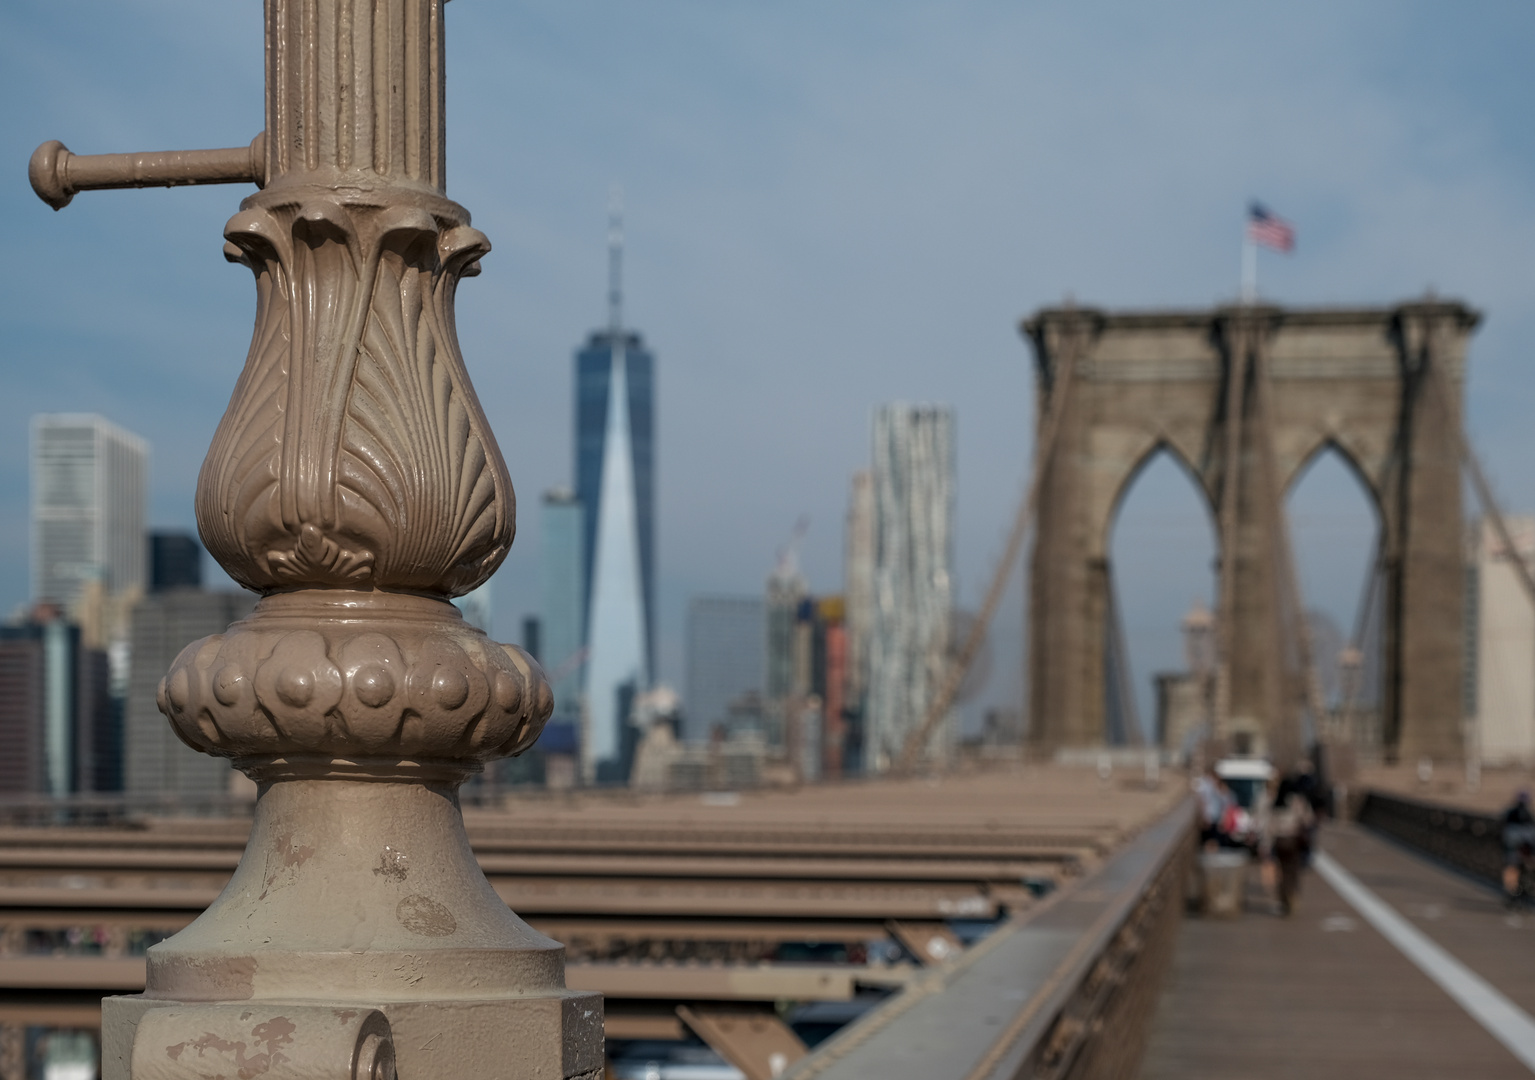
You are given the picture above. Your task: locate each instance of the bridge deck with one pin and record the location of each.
(812, 895)
(1323, 994)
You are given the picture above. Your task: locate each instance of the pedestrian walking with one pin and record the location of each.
(1287, 838)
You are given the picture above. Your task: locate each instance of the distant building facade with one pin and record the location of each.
(1502, 644)
(830, 682)
(23, 712)
(725, 654)
(162, 624)
(805, 713)
(858, 611)
(563, 607)
(785, 672)
(58, 734)
(913, 594)
(175, 561)
(1185, 700)
(90, 490)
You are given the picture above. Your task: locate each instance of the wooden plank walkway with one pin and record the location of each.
(1322, 995)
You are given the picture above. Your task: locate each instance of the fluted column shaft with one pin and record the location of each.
(355, 87)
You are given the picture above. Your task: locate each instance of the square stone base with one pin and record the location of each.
(555, 1036)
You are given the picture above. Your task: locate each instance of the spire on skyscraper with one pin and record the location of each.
(616, 259)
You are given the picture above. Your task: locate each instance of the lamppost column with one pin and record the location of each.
(355, 484)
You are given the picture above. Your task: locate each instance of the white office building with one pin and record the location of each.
(913, 586)
(1502, 625)
(90, 492)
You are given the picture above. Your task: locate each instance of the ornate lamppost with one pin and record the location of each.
(354, 482)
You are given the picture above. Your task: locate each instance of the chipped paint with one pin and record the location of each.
(393, 864)
(425, 916)
(269, 1038)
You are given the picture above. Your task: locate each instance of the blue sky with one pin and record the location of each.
(830, 205)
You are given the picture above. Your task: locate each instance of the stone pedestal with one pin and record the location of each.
(361, 893)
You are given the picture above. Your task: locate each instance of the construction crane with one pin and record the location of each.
(786, 564)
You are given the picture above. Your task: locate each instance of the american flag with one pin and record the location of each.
(1267, 229)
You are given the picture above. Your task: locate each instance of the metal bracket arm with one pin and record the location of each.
(57, 174)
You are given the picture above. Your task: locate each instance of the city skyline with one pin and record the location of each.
(849, 223)
(328, 825)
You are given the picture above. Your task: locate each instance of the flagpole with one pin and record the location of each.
(1249, 269)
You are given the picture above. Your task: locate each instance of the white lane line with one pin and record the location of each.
(1504, 1021)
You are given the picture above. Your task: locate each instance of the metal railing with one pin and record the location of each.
(1470, 842)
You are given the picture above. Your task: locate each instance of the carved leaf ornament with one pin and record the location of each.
(354, 481)
(354, 452)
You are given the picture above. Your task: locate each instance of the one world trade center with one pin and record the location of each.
(615, 483)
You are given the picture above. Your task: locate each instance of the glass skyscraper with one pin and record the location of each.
(615, 485)
(595, 367)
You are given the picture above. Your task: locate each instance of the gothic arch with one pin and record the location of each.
(1156, 446)
(1336, 444)
(1232, 392)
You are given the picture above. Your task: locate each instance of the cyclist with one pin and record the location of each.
(1518, 846)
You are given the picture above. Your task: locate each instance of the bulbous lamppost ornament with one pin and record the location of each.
(354, 483)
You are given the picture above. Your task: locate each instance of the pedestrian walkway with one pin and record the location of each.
(1324, 995)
